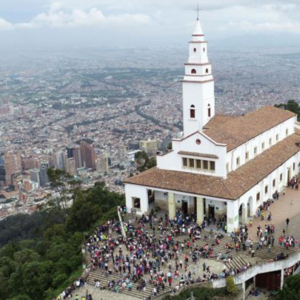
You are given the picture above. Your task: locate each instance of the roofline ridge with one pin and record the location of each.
(224, 184)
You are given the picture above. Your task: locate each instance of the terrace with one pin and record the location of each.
(220, 258)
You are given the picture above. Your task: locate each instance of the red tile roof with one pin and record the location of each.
(234, 186)
(237, 130)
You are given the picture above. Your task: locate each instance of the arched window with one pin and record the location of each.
(209, 111)
(195, 50)
(203, 49)
(192, 112)
(194, 71)
(207, 71)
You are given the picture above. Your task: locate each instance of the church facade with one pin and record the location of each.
(222, 166)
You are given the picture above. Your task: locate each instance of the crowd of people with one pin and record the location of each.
(72, 291)
(264, 207)
(293, 183)
(287, 241)
(159, 253)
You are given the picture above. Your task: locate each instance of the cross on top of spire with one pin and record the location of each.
(198, 10)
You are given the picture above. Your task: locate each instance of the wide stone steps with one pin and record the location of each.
(99, 275)
(236, 263)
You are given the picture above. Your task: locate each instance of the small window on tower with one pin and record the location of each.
(207, 71)
(203, 49)
(194, 71)
(195, 50)
(192, 112)
(209, 111)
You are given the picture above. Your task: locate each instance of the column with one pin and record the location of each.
(232, 216)
(244, 290)
(171, 206)
(244, 214)
(200, 210)
(128, 196)
(282, 279)
(144, 201)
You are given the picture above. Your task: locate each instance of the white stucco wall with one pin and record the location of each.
(200, 56)
(200, 95)
(173, 160)
(261, 269)
(136, 191)
(231, 157)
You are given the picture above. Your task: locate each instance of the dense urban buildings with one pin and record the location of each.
(87, 112)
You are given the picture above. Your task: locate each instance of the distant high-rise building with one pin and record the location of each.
(71, 166)
(88, 155)
(70, 152)
(77, 157)
(149, 146)
(2, 171)
(102, 164)
(44, 179)
(12, 163)
(29, 163)
(35, 176)
(59, 160)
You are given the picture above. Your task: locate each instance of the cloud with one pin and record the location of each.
(58, 16)
(264, 27)
(4, 25)
(174, 16)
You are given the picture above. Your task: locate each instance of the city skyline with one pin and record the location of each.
(143, 23)
(115, 99)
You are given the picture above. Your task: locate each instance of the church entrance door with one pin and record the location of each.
(211, 211)
(184, 207)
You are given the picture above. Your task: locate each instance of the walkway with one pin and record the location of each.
(281, 209)
(100, 294)
(287, 206)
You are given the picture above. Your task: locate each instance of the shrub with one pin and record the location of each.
(230, 285)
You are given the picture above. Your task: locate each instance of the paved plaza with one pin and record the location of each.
(287, 206)
(100, 295)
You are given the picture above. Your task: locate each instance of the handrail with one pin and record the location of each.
(121, 222)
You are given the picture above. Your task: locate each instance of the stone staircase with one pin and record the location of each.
(99, 275)
(236, 263)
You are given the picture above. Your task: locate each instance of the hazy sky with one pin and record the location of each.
(126, 23)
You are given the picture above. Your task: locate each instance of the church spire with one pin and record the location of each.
(198, 29)
(198, 85)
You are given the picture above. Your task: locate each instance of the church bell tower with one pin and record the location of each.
(198, 85)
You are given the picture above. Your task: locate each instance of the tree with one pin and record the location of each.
(21, 297)
(57, 176)
(143, 162)
(291, 289)
(41, 253)
(292, 106)
(200, 293)
(230, 285)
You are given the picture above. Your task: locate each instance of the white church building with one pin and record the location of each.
(222, 164)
